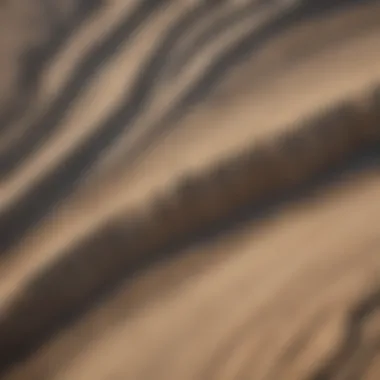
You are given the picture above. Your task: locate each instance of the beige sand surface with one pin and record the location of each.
(292, 296)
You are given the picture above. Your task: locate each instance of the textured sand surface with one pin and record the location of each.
(292, 294)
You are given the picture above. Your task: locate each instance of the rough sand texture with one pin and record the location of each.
(293, 294)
